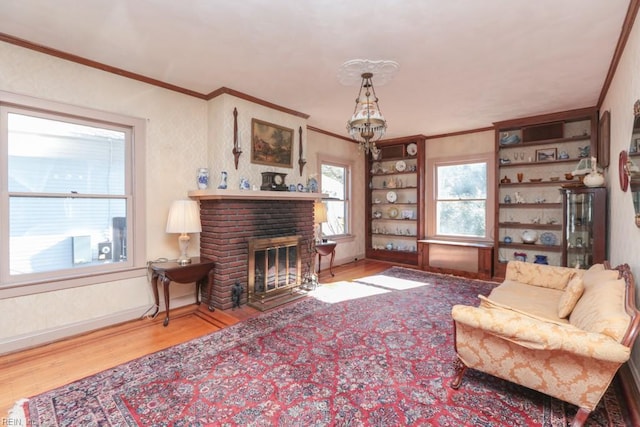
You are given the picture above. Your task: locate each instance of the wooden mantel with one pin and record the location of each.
(215, 194)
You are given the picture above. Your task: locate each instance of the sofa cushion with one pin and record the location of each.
(542, 275)
(598, 274)
(537, 301)
(570, 296)
(601, 309)
(490, 304)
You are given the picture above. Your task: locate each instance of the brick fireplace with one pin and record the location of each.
(231, 219)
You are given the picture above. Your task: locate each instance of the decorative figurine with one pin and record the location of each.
(236, 294)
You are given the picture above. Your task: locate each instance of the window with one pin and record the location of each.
(70, 193)
(461, 199)
(335, 184)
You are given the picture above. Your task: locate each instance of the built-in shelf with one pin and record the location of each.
(532, 184)
(523, 225)
(540, 147)
(545, 163)
(531, 247)
(585, 137)
(531, 205)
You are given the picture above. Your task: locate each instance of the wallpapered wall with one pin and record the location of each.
(624, 236)
(183, 134)
(175, 124)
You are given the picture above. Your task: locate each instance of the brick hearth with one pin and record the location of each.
(227, 226)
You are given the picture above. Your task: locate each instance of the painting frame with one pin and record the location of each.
(546, 154)
(271, 144)
(604, 138)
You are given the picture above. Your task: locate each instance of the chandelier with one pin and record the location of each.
(367, 125)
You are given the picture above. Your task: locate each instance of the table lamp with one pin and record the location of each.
(319, 216)
(184, 217)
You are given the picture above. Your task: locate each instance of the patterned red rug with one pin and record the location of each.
(378, 360)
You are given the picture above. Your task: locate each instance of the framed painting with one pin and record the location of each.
(604, 135)
(546, 154)
(271, 144)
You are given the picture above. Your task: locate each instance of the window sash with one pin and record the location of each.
(120, 189)
(450, 216)
(338, 204)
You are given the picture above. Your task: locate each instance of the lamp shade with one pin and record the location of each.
(319, 212)
(184, 217)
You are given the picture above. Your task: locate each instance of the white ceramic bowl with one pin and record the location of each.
(529, 236)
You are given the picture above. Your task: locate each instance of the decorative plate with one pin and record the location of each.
(412, 149)
(300, 187)
(548, 238)
(392, 197)
(401, 166)
(393, 213)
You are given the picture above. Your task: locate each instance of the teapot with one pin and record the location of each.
(593, 178)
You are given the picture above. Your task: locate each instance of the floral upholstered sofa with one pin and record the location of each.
(558, 330)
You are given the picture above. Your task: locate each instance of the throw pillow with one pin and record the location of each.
(570, 297)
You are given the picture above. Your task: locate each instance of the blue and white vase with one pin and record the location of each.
(223, 181)
(203, 178)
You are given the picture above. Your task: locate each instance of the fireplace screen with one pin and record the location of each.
(274, 268)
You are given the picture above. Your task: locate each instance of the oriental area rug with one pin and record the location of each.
(373, 352)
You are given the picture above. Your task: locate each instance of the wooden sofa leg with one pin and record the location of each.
(460, 369)
(580, 418)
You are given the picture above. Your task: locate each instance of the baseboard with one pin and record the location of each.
(31, 340)
(630, 392)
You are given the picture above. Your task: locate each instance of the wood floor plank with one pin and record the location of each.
(34, 371)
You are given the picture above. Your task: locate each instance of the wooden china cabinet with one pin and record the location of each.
(394, 200)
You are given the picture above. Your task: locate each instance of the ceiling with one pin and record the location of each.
(464, 64)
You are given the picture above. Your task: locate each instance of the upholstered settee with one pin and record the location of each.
(558, 330)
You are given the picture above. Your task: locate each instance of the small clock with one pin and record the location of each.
(273, 181)
(392, 197)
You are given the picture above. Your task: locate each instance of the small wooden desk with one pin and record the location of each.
(199, 271)
(324, 249)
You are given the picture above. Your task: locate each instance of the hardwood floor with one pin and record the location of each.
(37, 370)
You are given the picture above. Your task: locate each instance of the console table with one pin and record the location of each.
(324, 249)
(199, 271)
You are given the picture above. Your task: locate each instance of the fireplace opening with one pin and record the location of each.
(275, 271)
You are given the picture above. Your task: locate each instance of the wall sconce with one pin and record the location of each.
(319, 216)
(236, 144)
(184, 217)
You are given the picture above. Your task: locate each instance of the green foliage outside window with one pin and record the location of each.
(461, 200)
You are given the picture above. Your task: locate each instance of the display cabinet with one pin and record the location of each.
(585, 213)
(534, 160)
(395, 200)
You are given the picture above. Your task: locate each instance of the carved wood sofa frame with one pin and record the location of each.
(628, 339)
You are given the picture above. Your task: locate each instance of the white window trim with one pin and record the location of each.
(431, 193)
(348, 165)
(136, 230)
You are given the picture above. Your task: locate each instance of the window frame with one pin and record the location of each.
(432, 196)
(348, 167)
(11, 286)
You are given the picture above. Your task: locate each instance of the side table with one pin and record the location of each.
(324, 249)
(199, 271)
